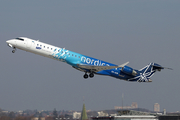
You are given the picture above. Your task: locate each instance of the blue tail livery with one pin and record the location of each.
(90, 66)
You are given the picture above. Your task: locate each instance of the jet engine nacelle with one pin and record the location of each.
(129, 71)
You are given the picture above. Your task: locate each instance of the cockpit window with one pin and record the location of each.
(20, 39)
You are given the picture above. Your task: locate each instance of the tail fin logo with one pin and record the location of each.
(143, 78)
(144, 74)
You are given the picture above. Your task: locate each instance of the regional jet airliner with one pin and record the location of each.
(86, 64)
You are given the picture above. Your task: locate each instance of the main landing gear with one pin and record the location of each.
(91, 75)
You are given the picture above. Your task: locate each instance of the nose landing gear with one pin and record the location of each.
(14, 49)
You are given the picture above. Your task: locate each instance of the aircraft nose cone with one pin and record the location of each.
(8, 41)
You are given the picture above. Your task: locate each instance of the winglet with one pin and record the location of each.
(123, 64)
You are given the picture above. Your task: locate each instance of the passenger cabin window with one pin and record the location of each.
(20, 39)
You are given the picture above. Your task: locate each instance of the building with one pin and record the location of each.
(76, 115)
(127, 117)
(169, 117)
(133, 105)
(36, 118)
(100, 114)
(156, 107)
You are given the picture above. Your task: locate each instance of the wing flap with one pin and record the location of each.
(99, 68)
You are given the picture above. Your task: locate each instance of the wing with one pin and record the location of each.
(99, 68)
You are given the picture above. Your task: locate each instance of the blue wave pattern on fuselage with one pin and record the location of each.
(76, 58)
(73, 59)
(60, 54)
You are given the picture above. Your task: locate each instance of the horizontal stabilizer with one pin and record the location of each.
(160, 67)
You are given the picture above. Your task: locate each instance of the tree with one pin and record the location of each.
(5, 118)
(55, 115)
(40, 115)
(11, 115)
(20, 118)
(49, 118)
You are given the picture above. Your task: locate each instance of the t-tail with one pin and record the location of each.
(147, 72)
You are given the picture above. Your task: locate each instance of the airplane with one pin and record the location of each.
(86, 64)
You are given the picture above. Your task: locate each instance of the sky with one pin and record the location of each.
(138, 31)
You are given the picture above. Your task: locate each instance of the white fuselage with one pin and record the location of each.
(33, 46)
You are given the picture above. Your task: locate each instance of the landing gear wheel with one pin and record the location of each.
(85, 76)
(91, 75)
(13, 51)
(140, 81)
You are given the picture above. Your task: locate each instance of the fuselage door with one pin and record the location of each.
(28, 43)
